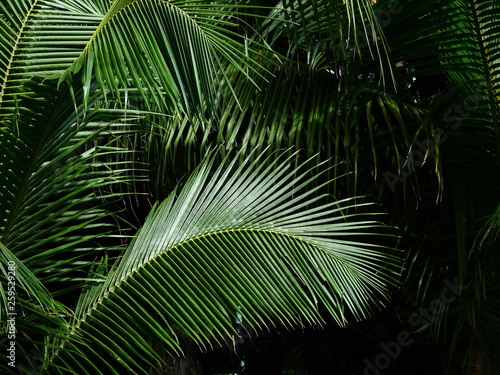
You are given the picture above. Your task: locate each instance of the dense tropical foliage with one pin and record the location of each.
(194, 179)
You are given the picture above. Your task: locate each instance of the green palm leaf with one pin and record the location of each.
(240, 240)
(58, 172)
(28, 312)
(169, 50)
(23, 283)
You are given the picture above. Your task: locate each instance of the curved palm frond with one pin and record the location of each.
(288, 110)
(169, 50)
(237, 241)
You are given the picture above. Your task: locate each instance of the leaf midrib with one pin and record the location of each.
(179, 245)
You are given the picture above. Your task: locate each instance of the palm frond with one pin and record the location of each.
(28, 312)
(20, 282)
(309, 106)
(237, 240)
(169, 50)
(346, 31)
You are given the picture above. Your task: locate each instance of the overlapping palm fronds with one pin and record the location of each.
(82, 84)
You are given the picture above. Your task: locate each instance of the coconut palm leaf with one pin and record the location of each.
(250, 115)
(19, 281)
(310, 107)
(309, 102)
(58, 172)
(237, 240)
(169, 50)
(28, 312)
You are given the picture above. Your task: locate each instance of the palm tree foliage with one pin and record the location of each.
(458, 41)
(107, 106)
(87, 89)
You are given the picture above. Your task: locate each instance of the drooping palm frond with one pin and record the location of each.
(346, 30)
(457, 44)
(238, 240)
(321, 100)
(354, 122)
(260, 114)
(168, 50)
(55, 156)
